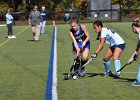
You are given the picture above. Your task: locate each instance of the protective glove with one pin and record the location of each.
(130, 60)
(94, 55)
(135, 57)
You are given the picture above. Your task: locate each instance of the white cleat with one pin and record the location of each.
(13, 37)
(9, 37)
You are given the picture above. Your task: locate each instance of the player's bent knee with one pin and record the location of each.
(84, 59)
(105, 59)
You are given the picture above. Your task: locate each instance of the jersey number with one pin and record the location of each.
(111, 30)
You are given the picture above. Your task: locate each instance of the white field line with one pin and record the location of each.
(54, 84)
(3, 25)
(15, 35)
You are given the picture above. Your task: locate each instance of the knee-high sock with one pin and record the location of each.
(107, 65)
(82, 63)
(76, 64)
(117, 64)
(138, 76)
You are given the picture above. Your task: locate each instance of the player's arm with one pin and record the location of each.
(134, 56)
(29, 20)
(75, 42)
(41, 19)
(138, 52)
(11, 17)
(86, 33)
(138, 48)
(100, 46)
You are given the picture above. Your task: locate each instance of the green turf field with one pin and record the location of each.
(24, 66)
(93, 86)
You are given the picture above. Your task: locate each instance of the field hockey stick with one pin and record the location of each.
(83, 65)
(135, 59)
(71, 74)
(70, 71)
(87, 62)
(123, 66)
(74, 62)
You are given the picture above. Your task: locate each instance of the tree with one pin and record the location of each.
(131, 3)
(80, 3)
(115, 1)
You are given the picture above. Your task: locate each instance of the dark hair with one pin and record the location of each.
(98, 23)
(136, 22)
(99, 35)
(74, 19)
(35, 6)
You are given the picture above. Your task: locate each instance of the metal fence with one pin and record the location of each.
(83, 15)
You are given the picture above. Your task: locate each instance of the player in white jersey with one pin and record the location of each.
(136, 29)
(116, 46)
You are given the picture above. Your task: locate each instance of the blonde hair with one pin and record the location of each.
(136, 22)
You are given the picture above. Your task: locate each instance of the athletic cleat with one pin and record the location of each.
(13, 37)
(82, 73)
(67, 77)
(9, 37)
(135, 83)
(108, 74)
(117, 75)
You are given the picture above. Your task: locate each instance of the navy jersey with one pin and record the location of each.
(44, 15)
(80, 36)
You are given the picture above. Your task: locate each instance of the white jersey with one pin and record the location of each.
(112, 38)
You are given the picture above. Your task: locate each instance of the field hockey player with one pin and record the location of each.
(81, 44)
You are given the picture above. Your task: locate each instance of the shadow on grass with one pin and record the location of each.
(101, 74)
(87, 74)
(94, 74)
(33, 40)
(127, 79)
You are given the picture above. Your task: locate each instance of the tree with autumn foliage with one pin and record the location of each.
(115, 1)
(127, 3)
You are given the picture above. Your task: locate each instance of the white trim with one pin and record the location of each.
(129, 72)
(54, 84)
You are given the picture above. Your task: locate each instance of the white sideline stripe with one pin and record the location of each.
(129, 72)
(54, 84)
(3, 25)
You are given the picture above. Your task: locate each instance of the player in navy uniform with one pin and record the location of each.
(80, 41)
